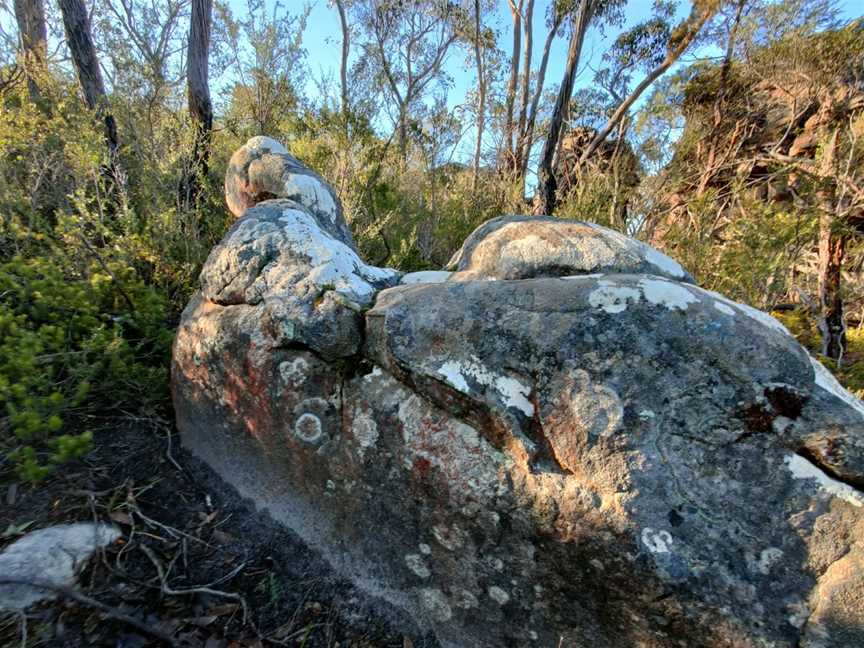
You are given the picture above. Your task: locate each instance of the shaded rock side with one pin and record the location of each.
(525, 247)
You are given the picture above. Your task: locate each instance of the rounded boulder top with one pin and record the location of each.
(263, 169)
(527, 247)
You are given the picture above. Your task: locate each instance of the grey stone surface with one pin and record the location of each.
(616, 459)
(308, 286)
(53, 555)
(262, 169)
(523, 247)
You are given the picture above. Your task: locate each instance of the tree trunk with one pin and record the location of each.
(548, 186)
(528, 134)
(719, 101)
(30, 16)
(832, 247)
(696, 21)
(481, 95)
(76, 23)
(515, 11)
(402, 133)
(528, 37)
(343, 66)
(198, 92)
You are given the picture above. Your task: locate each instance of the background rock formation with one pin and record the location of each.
(532, 454)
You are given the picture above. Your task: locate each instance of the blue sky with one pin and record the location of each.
(323, 42)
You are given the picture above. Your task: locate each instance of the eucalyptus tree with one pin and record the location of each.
(408, 41)
(79, 40)
(640, 43)
(265, 57)
(33, 35)
(198, 96)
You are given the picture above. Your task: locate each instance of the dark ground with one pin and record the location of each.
(177, 518)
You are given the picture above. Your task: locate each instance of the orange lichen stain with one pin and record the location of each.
(422, 465)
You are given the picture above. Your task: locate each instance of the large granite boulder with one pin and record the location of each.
(617, 459)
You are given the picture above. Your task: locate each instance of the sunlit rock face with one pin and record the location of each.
(563, 449)
(524, 247)
(263, 169)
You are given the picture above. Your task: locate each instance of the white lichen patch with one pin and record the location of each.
(266, 143)
(435, 604)
(526, 250)
(365, 430)
(333, 264)
(308, 428)
(723, 308)
(293, 371)
(767, 558)
(452, 373)
(801, 468)
(425, 549)
(613, 299)
(310, 192)
(595, 275)
(425, 276)
(464, 599)
(451, 538)
(510, 390)
(596, 408)
(826, 380)
(301, 254)
(665, 264)
(657, 541)
(799, 614)
(668, 294)
(417, 565)
(499, 595)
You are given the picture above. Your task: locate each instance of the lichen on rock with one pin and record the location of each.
(563, 442)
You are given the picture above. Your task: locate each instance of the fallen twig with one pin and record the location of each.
(107, 610)
(204, 589)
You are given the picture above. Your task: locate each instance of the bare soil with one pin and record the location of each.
(196, 563)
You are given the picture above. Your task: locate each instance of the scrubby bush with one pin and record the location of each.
(92, 277)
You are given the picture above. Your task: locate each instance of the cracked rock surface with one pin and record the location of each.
(550, 446)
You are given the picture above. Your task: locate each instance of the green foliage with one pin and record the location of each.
(750, 259)
(92, 275)
(71, 345)
(850, 372)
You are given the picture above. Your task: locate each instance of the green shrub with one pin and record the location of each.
(92, 276)
(73, 346)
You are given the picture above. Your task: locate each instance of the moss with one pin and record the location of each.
(850, 373)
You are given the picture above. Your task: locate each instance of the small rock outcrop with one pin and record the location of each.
(563, 443)
(524, 247)
(51, 556)
(263, 169)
